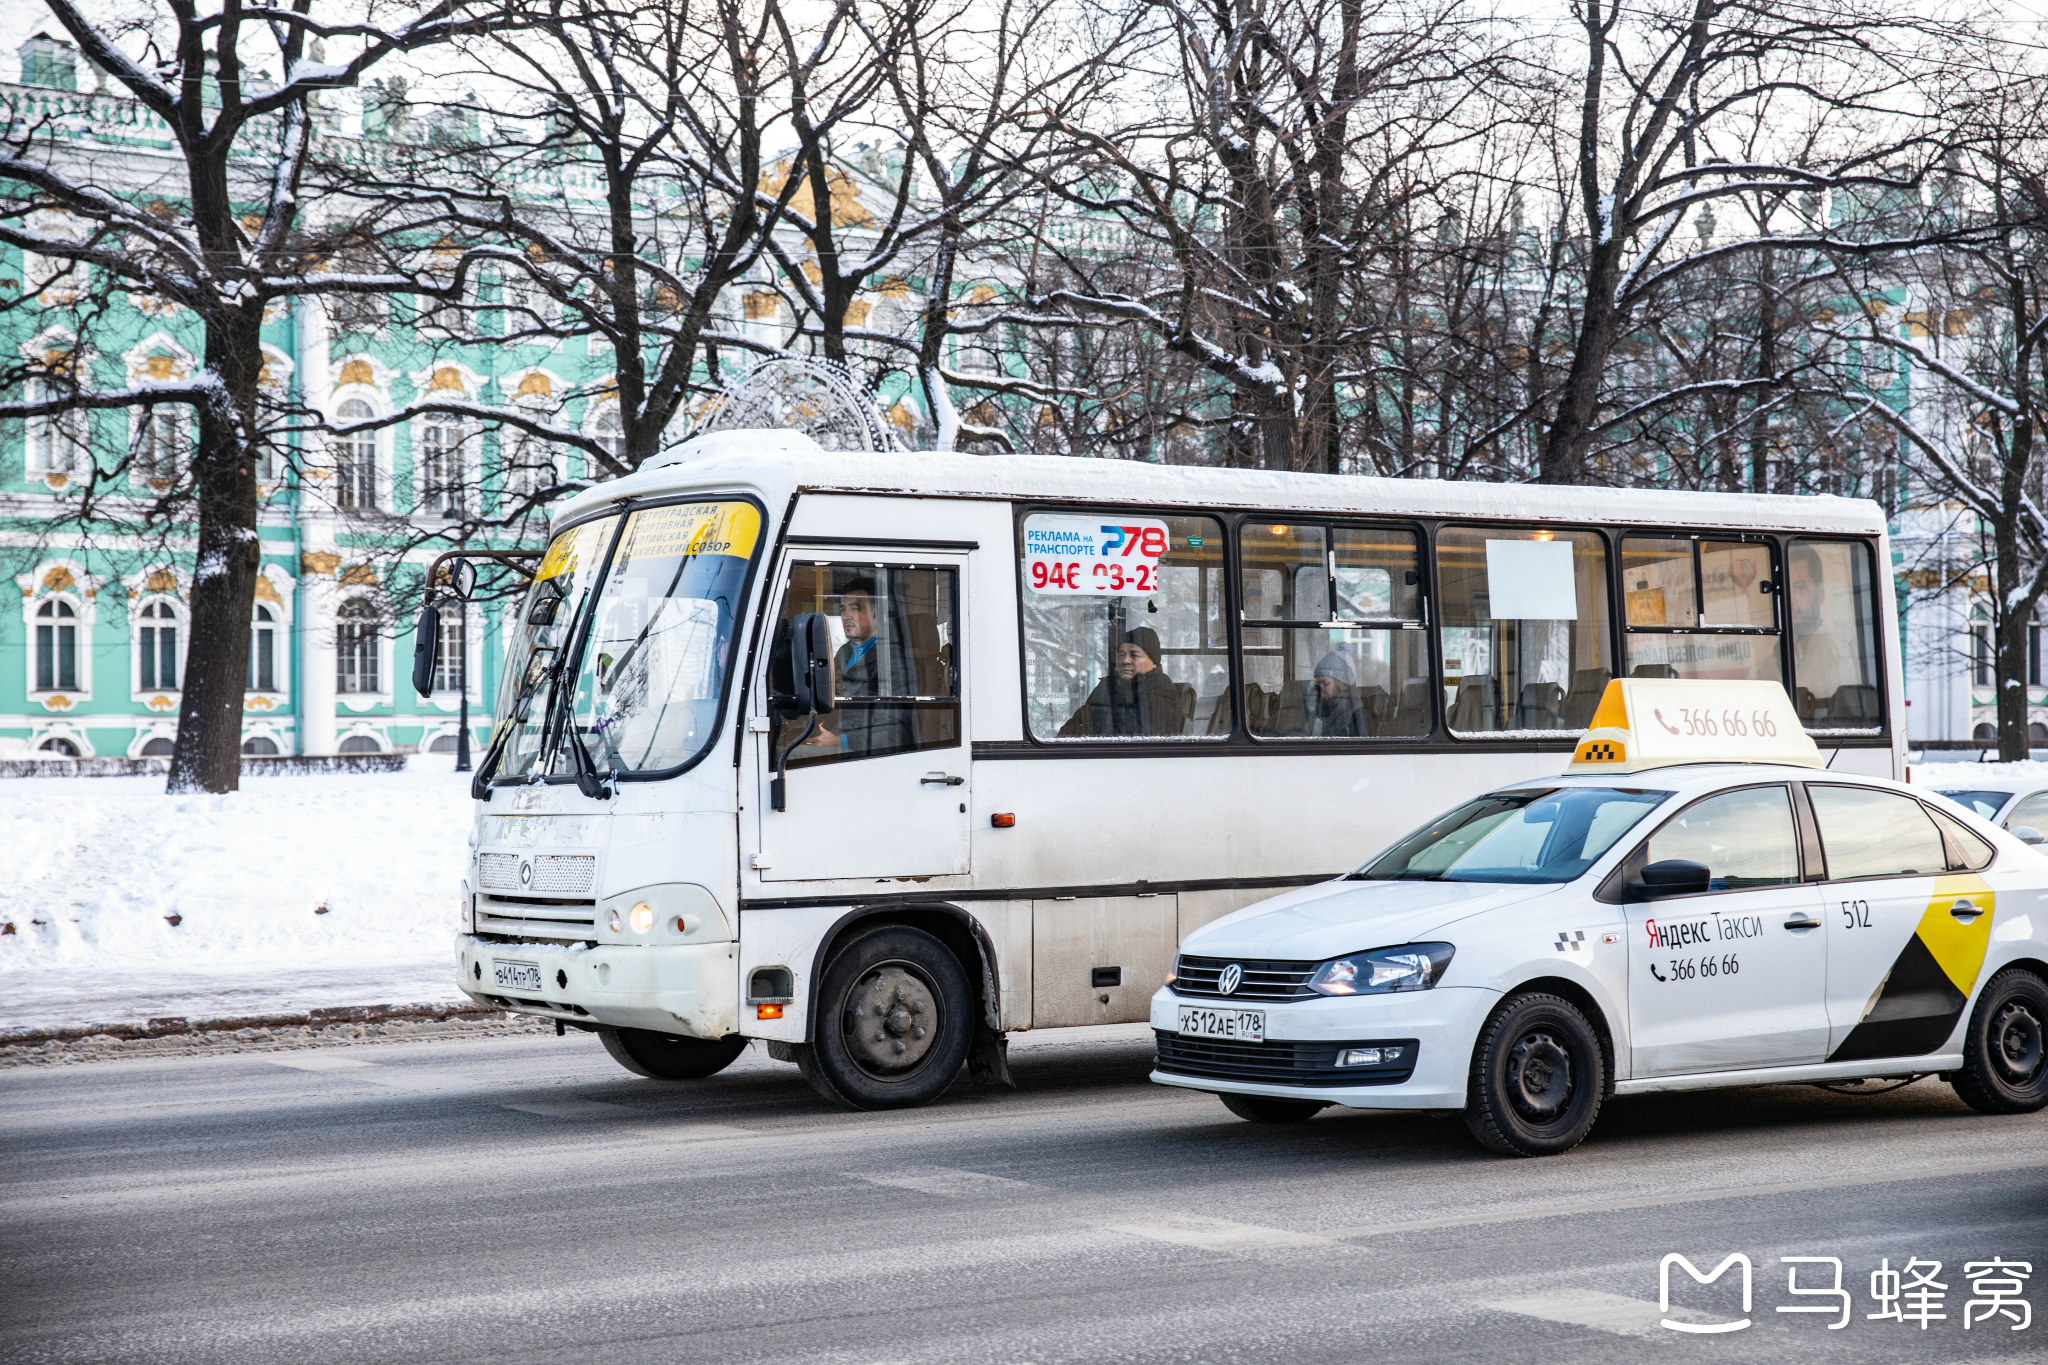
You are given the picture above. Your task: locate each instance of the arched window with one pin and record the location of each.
(156, 748)
(260, 746)
(263, 650)
(451, 652)
(610, 433)
(56, 646)
(440, 465)
(156, 646)
(443, 744)
(355, 648)
(57, 441)
(59, 746)
(355, 458)
(359, 744)
(159, 448)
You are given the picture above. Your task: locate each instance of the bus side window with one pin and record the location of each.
(894, 666)
(1834, 635)
(1523, 627)
(1124, 628)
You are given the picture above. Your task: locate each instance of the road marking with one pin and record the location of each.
(695, 1132)
(1688, 1197)
(317, 1062)
(569, 1109)
(1601, 1311)
(943, 1181)
(1216, 1234)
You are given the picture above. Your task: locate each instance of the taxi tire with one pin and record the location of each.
(1264, 1109)
(2010, 1015)
(1525, 1027)
(828, 1063)
(669, 1056)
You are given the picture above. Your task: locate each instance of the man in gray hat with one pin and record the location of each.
(1136, 699)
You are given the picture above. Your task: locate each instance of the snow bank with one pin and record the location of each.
(344, 879)
(1971, 776)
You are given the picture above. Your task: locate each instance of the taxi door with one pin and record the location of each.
(1733, 977)
(879, 787)
(1905, 937)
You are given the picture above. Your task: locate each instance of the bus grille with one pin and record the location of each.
(1263, 979)
(536, 919)
(548, 874)
(1279, 1061)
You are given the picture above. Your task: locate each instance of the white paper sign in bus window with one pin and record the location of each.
(1530, 580)
(1087, 556)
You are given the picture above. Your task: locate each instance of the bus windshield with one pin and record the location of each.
(653, 670)
(1546, 835)
(545, 630)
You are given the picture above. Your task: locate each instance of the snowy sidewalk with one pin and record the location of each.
(296, 893)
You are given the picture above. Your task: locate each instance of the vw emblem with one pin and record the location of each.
(525, 873)
(1230, 980)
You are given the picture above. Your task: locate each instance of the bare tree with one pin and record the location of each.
(236, 88)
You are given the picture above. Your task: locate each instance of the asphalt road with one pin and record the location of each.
(523, 1199)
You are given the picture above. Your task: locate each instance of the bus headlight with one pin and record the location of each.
(1407, 967)
(641, 918)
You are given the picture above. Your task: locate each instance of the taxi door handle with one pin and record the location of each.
(1804, 922)
(1964, 911)
(942, 779)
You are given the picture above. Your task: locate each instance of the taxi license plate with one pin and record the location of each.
(522, 976)
(1244, 1026)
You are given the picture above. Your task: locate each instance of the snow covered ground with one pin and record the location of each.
(1964, 776)
(297, 892)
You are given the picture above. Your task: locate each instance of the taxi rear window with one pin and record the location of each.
(1542, 835)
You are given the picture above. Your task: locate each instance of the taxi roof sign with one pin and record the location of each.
(1658, 722)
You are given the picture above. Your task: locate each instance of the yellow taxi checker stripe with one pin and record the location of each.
(1958, 948)
(1601, 751)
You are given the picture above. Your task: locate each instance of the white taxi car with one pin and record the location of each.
(1696, 903)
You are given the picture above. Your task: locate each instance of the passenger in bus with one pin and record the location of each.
(1327, 704)
(1136, 699)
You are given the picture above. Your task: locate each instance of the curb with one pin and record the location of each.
(167, 1025)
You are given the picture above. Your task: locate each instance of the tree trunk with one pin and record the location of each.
(207, 755)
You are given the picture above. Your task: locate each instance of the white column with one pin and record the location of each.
(313, 620)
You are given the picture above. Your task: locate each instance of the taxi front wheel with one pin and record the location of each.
(1537, 1077)
(2005, 1064)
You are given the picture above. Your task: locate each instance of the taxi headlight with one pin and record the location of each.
(1408, 967)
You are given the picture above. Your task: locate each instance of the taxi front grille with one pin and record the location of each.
(1279, 1061)
(1264, 979)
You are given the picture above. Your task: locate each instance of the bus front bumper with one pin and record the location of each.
(688, 988)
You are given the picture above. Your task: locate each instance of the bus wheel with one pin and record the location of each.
(669, 1057)
(894, 1018)
(2005, 1053)
(1261, 1109)
(1537, 1078)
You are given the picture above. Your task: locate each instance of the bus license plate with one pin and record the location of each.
(521, 976)
(1244, 1026)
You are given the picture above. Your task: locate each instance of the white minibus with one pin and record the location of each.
(878, 758)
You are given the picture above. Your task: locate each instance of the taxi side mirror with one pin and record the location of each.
(1674, 877)
(2027, 834)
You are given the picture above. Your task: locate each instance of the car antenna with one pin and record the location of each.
(1835, 755)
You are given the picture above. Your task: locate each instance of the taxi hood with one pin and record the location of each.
(1333, 918)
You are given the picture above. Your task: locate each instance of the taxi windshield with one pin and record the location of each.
(1549, 834)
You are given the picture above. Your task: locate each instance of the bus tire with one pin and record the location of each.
(1264, 1109)
(894, 1017)
(669, 1056)
(1537, 1077)
(2004, 1068)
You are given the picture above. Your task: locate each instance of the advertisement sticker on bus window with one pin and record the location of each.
(686, 529)
(1530, 580)
(1087, 556)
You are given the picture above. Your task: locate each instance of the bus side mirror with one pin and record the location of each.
(423, 650)
(810, 665)
(1674, 877)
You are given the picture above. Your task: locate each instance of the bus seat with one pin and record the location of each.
(1855, 704)
(1477, 708)
(1588, 686)
(926, 654)
(1653, 671)
(1536, 709)
(1187, 707)
(1805, 705)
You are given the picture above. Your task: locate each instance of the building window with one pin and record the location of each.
(355, 647)
(56, 441)
(451, 652)
(159, 747)
(263, 651)
(156, 647)
(260, 746)
(359, 744)
(2033, 656)
(56, 647)
(158, 452)
(610, 433)
(440, 461)
(1981, 656)
(355, 458)
(530, 461)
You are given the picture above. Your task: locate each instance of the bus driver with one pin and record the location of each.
(858, 669)
(1136, 699)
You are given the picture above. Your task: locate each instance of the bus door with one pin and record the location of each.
(879, 787)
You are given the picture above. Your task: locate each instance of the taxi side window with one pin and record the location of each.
(1869, 833)
(1967, 850)
(1744, 839)
(2031, 813)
